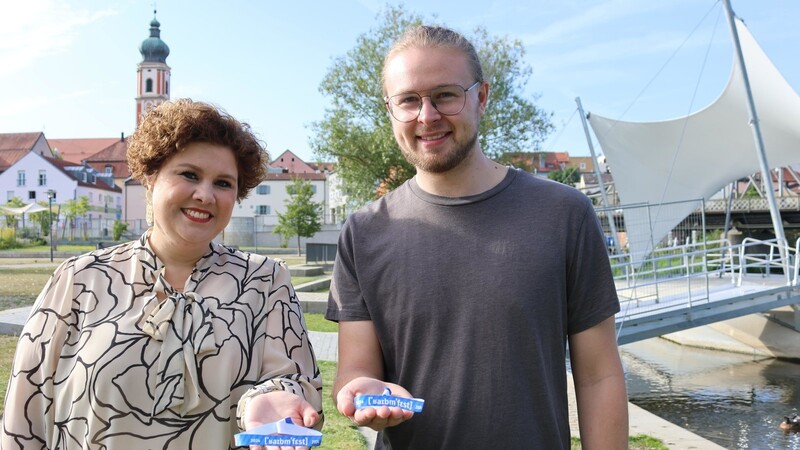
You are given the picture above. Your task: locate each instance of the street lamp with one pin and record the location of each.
(50, 194)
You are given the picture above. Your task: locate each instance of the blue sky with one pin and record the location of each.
(69, 67)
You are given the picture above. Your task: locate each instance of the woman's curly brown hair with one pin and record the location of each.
(169, 128)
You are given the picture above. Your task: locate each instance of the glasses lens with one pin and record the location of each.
(405, 107)
(448, 100)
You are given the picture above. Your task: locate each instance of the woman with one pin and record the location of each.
(171, 341)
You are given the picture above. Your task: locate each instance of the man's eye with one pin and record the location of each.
(445, 95)
(407, 100)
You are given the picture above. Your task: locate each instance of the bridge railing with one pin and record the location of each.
(796, 274)
(776, 258)
(685, 275)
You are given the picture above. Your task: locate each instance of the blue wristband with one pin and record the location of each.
(282, 432)
(387, 399)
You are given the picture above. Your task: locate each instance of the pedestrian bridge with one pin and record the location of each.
(680, 287)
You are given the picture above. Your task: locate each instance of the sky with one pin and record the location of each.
(68, 68)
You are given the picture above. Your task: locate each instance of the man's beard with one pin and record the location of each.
(440, 163)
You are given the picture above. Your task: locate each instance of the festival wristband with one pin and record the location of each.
(282, 432)
(387, 399)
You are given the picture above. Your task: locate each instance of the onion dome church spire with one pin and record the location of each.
(153, 74)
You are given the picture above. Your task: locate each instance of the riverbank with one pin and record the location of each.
(763, 335)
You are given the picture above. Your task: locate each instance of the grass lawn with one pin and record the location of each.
(637, 442)
(20, 287)
(318, 322)
(338, 433)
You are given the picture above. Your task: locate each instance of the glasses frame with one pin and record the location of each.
(388, 103)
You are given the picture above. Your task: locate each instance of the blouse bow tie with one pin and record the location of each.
(182, 326)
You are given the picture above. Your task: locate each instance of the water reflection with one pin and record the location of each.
(734, 400)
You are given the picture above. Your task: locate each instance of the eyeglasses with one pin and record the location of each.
(448, 100)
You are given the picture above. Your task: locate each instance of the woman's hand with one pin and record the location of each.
(275, 406)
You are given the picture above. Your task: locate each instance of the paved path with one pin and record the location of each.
(325, 347)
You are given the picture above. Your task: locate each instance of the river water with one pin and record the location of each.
(734, 400)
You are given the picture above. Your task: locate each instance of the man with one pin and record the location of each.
(463, 285)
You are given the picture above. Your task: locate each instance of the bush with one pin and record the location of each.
(119, 228)
(8, 239)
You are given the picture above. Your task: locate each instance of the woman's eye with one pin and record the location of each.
(189, 175)
(223, 183)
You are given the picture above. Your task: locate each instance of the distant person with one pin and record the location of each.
(171, 341)
(463, 286)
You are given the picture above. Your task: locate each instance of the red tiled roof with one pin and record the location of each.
(115, 155)
(323, 166)
(77, 150)
(290, 176)
(18, 141)
(13, 146)
(9, 157)
(292, 163)
(116, 151)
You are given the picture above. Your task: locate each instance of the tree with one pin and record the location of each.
(568, 176)
(119, 228)
(43, 218)
(11, 219)
(357, 133)
(72, 210)
(302, 214)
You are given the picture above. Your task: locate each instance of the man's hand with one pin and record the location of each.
(375, 418)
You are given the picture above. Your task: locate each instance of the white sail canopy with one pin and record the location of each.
(695, 156)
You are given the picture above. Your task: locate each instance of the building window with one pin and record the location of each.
(109, 169)
(148, 85)
(166, 87)
(20, 178)
(31, 195)
(263, 189)
(9, 195)
(262, 210)
(42, 178)
(291, 190)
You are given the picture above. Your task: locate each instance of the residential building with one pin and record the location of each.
(33, 176)
(269, 198)
(13, 146)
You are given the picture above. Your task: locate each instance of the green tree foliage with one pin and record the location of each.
(302, 216)
(356, 131)
(568, 176)
(74, 209)
(43, 218)
(11, 219)
(118, 228)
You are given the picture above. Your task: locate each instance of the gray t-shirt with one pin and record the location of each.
(472, 299)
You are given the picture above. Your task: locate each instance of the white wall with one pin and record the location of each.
(32, 163)
(276, 200)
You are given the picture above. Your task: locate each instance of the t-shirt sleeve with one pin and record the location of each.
(592, 295)
(345, 299)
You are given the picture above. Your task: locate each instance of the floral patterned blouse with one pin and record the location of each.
(103, 364)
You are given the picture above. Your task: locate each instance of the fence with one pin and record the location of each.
(323, 254)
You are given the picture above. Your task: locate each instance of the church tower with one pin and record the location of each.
(153, 74)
